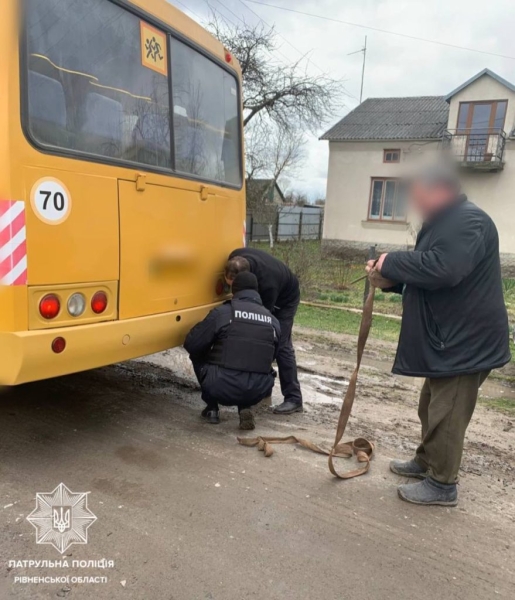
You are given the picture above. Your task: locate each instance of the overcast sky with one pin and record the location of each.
(396, 66)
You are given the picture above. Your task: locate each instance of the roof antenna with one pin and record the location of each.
(364, 50)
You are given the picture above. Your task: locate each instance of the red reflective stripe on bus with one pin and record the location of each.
(22, 279)
(17, 254)
(18, 224)
(5, 205)
(13, 243)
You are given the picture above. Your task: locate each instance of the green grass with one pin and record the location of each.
(341, 321)
(505, 405)
(508, 287)
(500, 375)
(327, 280)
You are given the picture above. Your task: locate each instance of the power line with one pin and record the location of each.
(282, 36)
(270, 27)
(189, 10)
(232, 12)
(214, 11)
(287, 59)
(243, 21)
(404, 35)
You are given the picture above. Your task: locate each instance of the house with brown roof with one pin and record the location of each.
(369, 149)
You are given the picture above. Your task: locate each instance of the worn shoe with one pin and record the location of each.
(247, 422)
(408, 469)
(211, 416)
(288, 408)
(429, 492)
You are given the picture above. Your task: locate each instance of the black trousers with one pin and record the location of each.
(286, 361)
(231, 388)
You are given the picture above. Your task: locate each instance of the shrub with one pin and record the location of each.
(508, 286)
(303, 258)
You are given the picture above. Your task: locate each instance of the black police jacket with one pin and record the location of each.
(234, 383)
(454, 317)
(249, 343)
(278, 286)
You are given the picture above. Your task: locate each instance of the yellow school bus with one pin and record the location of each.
(121, 181)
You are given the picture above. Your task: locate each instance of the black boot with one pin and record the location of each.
(429, 492)
(247, 422)
(211, 415)
(288, 408)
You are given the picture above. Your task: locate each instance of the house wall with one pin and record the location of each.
(352, 165)
(484, 88)
(493, 192)
(277, 198)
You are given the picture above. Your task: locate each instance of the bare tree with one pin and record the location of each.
(280, 104)
(272, 155)
(297, 199)
(283, 94)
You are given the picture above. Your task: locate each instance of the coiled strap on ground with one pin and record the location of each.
(361, 448)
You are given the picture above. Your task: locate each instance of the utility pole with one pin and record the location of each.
(363, 72)
(364, 50)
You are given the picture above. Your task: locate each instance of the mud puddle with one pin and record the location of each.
(321, 389)
(386, 405)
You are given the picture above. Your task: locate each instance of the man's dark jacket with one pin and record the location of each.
(278, 286)
(454, 317)
(228, 386)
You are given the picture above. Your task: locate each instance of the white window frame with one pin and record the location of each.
(394, 218)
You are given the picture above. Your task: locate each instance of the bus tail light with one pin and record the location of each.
(76, 305)
(49, 307)
(219, 287)
(228, 57)
(99, 303)
(58, 345)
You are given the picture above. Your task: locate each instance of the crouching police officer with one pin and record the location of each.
(232, 351)
(280, 292)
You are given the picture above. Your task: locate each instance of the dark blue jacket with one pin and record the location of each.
(227, 386)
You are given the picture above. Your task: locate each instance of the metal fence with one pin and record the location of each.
(286, 223)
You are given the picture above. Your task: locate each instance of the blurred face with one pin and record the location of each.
(428, 199)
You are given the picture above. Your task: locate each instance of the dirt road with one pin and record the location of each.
(185, 513)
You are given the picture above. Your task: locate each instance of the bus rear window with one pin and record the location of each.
(98, 81)
(206, 117)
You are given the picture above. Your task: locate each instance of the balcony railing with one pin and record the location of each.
(481, 150)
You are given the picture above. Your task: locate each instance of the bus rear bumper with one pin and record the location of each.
(28, 355)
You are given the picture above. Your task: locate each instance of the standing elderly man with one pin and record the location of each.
(454, 326)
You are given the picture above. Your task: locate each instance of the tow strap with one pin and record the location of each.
(361, 447)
